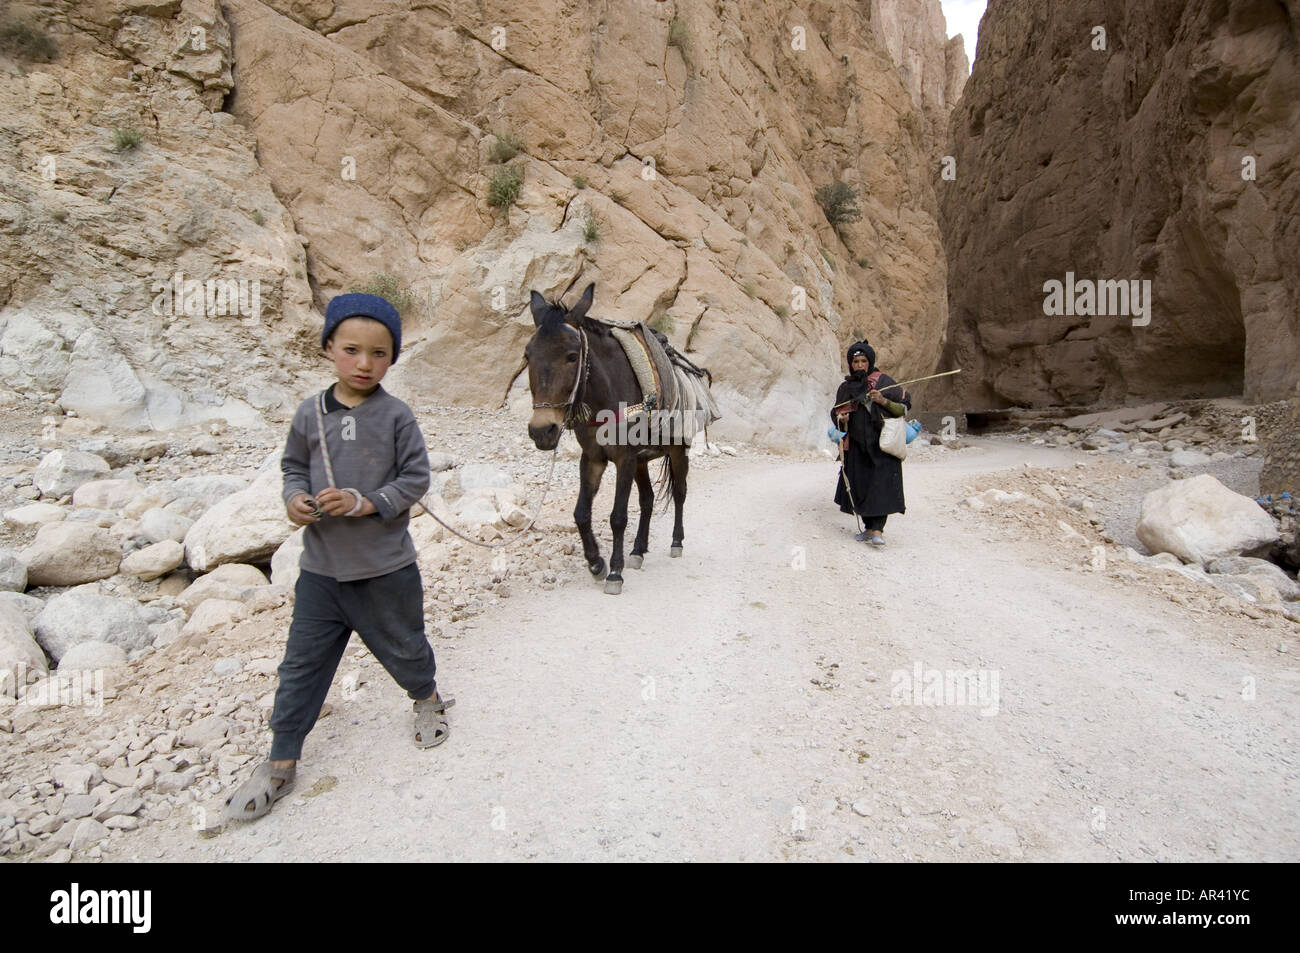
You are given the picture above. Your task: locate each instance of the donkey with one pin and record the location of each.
(576, 369)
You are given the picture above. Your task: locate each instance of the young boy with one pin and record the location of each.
(354, 463)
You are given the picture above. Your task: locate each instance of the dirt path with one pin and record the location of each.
(730, 706)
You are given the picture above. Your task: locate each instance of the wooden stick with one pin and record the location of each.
(918, 380)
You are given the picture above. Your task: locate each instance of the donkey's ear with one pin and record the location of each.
(584, 304)
(539, 307)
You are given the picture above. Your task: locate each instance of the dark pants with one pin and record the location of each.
(386, 611)
(875, 522)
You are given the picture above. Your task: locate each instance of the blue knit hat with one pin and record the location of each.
(357, 305)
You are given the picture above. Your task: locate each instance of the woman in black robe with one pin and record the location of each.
(875, 477)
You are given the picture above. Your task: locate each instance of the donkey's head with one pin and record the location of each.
(555, 362)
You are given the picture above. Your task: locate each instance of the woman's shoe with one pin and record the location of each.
(863, 536)
(878, 540)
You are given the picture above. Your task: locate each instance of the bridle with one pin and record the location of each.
(579, 379)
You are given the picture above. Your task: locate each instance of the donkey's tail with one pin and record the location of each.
(664, 483)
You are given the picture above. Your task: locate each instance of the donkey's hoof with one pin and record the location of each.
(613, 586)
(675, 551)
(634, 562)
(597, 568)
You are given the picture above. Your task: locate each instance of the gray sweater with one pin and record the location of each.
(375, 447)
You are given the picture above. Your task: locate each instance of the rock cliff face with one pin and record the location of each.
(934, 68)
(94, 231)
(670, 152)
(1169, 156)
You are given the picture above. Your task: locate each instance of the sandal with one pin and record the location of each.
(260, 791)
(431, 728)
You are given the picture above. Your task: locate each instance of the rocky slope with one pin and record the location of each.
(1168, 156)
(668, 151)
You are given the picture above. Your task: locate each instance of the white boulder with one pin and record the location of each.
(81, 615)
(29, 606)
(154, 561)
(1187, 458)
(1200, 519)
(476, 510)
(157, 525)
(34, 514)
(213, 615)
(62, 471)
(247, 526)
(1268, 571)
(227, 581)
(284, 564)
(89, 656)
(208, 489)
(105, 494)
(13, 572)
(156, 495)
(68, 554)
(21, 659)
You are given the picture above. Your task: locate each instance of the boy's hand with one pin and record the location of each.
(300, 511)
(336, 502)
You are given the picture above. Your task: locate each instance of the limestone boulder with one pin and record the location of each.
(157, 525)
(439, 461)
(89, 656)
(247, 526)
(29, 606)
(21, 658)
(1188, 458)
(207, 489)
(153, 496)
(214, 615)
(189, 507)
(1200, 519)
(101, 518)
(1270, 572)
(13, 572)
(472, 476)
(284, 563)
(154, 561)
(70, 553)
(227, 581)
(80, 615)
(475, 510)
(105, 494)
(62, 471)
(34, 514)
(425, 531)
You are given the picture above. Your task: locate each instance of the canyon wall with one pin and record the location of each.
(1164, 149)
(670, 152)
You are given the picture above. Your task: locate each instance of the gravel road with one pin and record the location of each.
(750, 701)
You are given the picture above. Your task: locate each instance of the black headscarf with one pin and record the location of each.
(858, 379)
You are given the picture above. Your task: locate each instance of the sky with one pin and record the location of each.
(963, 17)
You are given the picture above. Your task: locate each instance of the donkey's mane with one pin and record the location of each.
(553, 319)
